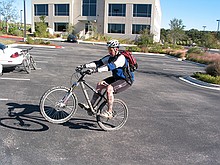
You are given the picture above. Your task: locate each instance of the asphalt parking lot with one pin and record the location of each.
(170, 121)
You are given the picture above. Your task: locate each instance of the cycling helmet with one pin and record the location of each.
(113, 44)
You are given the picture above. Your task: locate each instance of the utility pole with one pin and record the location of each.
(24, 21)
(218, 20)
(21, 16)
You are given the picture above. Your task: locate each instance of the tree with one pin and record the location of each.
(194, 34)
(8, 11)
(209, 40)
(176, 30)
(41, 27)
(145, 38)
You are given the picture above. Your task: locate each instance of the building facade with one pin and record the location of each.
(116, 18)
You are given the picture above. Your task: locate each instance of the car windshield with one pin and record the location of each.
(2, 46)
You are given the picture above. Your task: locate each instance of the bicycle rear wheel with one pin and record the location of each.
(26, 64)
(56, 107)
(120, 116)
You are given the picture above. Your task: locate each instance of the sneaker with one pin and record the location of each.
(106, 114)
(87, 108)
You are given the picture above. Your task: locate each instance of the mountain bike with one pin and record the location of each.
(28, 61)
(59, 104)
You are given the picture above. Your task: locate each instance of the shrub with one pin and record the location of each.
(213, 69)
(194, 50)
(17, 33)
(156, 48)
(133, 49)
(205, 58)
(29, 40)
(207, 78)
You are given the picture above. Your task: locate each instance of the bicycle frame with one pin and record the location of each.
(83, 84)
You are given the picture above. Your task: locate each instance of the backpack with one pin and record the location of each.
(131, 60)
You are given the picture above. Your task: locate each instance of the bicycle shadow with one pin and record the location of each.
(80, 123)
(20, 117)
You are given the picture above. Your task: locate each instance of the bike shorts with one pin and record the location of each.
(118, 85)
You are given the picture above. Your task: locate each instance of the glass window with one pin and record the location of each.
(40, 9)
(60, 27)
(142, 10)
(89, 8)
(61, 9)
(116, 28)
(137, 28)
(117, 10)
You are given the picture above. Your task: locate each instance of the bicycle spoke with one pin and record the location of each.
(55, 111)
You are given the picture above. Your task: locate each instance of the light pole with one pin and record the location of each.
(21, 16)
(218, 20)
(24, 21)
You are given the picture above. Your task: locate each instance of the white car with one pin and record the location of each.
(10, 57)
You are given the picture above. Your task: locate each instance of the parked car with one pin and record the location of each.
(71, 38)
(10, 57)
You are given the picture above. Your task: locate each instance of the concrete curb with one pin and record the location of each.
(199, 83)
(43, 46)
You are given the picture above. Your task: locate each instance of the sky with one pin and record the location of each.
(194, 13)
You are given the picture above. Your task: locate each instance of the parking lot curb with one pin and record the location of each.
(199, 83)
(42, 46)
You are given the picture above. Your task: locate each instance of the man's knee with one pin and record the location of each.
(110, 89)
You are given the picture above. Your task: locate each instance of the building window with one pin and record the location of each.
(61, 27)
(137, 28)
(142, 10)
(89, 8)
(117, 10)
(40, 9)
(116, 28)
(61, 9)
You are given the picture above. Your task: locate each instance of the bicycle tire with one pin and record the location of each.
(49, 105)
(33, 63)
(26, 65)
(120, 116)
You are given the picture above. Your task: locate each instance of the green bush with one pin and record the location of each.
(17, 33)
(195, 50)
(207, 78)
(29, 40)
(213, 69)
(133, 49)
(156, 48)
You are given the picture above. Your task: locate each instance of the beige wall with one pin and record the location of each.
(102, 19)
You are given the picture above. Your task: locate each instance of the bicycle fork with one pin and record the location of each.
(63, 101)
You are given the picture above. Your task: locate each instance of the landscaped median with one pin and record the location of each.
(199, 83)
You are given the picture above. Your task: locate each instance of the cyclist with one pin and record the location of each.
(118, 82)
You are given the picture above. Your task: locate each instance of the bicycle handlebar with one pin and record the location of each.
(26, 50)
(83, 71)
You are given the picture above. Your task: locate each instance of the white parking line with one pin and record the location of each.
(181, 69)
(43, 57)
(2, 99)
(42, 61)
(18, 79)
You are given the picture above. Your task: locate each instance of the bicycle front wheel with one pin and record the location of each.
(33, 63)
(120, 116)
(58, 104)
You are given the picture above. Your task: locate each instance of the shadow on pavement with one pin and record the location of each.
(27, 117)
(20, 117)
